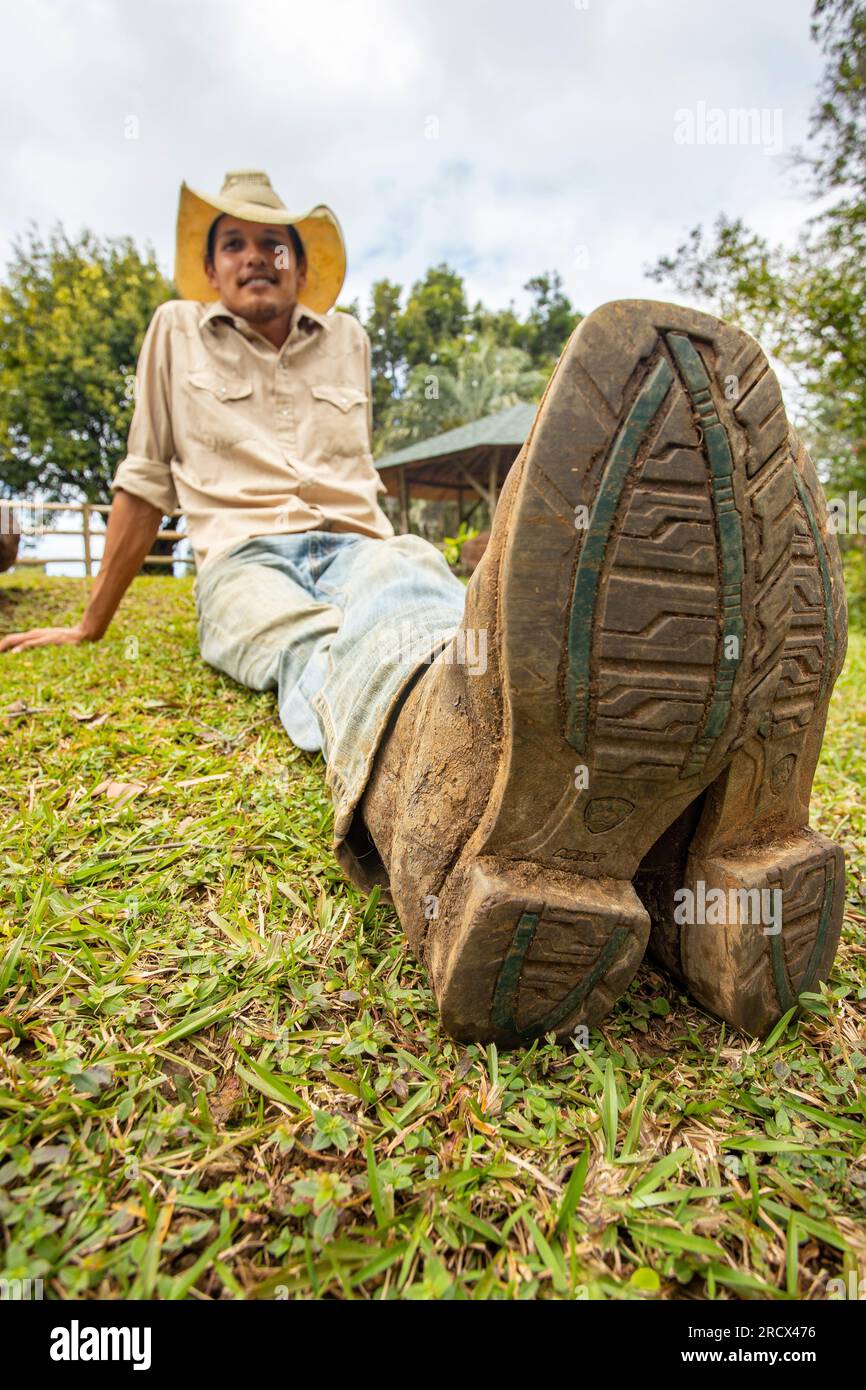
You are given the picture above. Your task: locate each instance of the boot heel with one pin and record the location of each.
(771, 932)
(536, 951)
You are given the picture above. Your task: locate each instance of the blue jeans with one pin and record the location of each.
(338, 625)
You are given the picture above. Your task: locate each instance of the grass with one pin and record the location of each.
(223, 1075)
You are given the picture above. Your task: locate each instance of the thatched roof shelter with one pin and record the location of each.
(470, 460)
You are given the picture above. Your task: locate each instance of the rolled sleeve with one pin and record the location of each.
(146, 470)
(149, 480)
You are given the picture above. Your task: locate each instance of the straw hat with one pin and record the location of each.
(248, 195)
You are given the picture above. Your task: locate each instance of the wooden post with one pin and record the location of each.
(85, 522)
(494, 480)
(404, 501)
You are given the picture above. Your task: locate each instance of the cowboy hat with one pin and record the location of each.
(248, 195)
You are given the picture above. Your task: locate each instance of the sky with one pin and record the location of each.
(504, 138)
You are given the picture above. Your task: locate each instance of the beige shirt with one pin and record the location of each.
(250, 440)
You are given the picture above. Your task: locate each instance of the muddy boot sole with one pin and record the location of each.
(646, 626)
(747, 843)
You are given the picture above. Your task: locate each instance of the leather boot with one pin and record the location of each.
(661, 611)
(749, 832)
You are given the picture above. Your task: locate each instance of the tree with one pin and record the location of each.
(838, 129)
(485, 378)
(434, 321)
(543, 334)
(437, 364)
(808, 308)
(72, 317)
(388, 356)
(551, 320)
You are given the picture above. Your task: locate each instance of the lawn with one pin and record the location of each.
(223, 1075)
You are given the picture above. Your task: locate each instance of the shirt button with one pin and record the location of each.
(285, 412)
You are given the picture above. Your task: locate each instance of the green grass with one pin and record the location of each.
(223, 1074)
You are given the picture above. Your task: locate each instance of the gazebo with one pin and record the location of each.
(471, 459)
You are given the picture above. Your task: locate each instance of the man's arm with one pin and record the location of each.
(132, 527)
(143, 494)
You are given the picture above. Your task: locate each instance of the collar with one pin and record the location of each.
(300, 311)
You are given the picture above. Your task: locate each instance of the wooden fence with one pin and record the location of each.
(87, 533)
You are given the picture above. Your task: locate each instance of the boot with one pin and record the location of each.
(662, 614)
(749, 831)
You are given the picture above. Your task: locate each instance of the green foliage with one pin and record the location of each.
(453, 545)
(808, 308)
(485, 378)
(73, 314)
(855, 584)
(838, 127)
(546, 329)
(437, 364)
(433, 323)
(387, 353)
(550, 323)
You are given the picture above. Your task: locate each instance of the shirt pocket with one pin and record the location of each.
(215, 419)
(339, 419)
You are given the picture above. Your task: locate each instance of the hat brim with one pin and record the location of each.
(318, 229)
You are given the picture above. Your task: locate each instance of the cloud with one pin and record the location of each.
(502, 137)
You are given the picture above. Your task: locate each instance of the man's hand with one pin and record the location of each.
(132, 527)
(44, 637)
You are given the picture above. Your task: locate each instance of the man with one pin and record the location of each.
(659, 610)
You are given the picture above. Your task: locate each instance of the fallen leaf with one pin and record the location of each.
(226, 1099)
(120, 792)
(50, 1153)
(92, 1079)
(126, 1220)
(95, 723)
(19, 708)
(212, 736)
(479, 1124)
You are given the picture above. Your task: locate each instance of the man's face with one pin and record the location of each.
(254, 270)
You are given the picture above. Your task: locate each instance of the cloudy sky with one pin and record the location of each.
(504, 138)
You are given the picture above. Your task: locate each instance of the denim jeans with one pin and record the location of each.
(338, 625)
